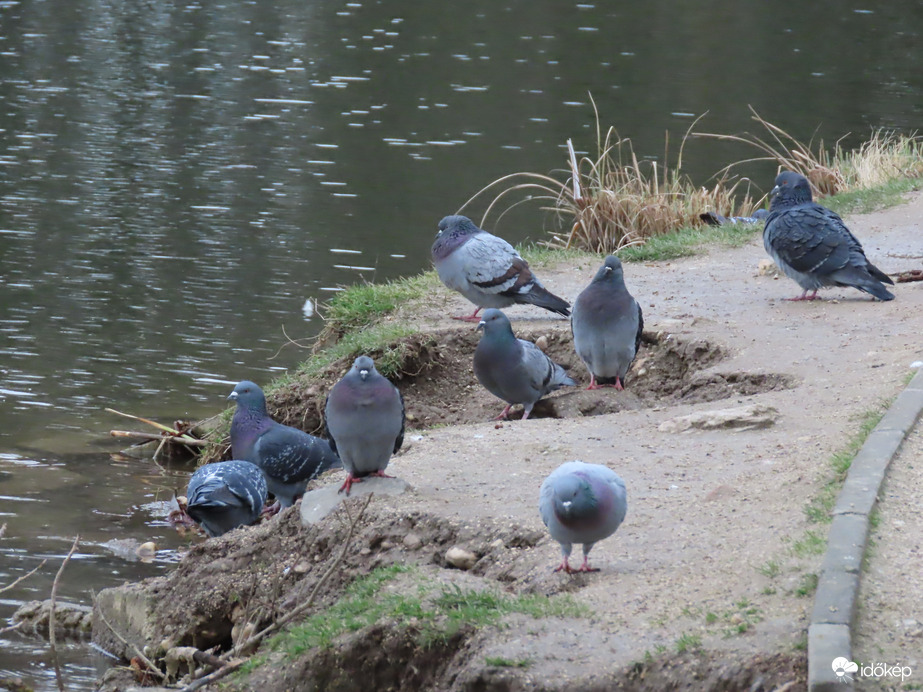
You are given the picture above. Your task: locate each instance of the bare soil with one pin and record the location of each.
(707, 584)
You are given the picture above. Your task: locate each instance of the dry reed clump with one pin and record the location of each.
(615, 200)
(884, 157)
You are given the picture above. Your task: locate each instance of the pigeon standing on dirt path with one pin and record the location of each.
(813, 246)
(582, 503)
(224, 495)
(607, 323)
(365, 421)
(487, 270)
(513, 369)
(288, 457)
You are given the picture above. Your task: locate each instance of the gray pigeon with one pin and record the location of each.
(513, 369)
(607, 324)
(812, 245)
(225, 495)
(365, 421)
(582, 503)
(287, 456)
(486, 269)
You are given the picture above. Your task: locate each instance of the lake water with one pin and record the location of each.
(178, 179)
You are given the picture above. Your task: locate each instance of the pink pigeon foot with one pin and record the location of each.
(618, 384)
(348, 483)
(271, 510)
(585, 567)
(593, 384)
(473, 317)
(504, 413)
(804, 296)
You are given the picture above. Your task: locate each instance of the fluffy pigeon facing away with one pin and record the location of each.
(582, 503)
(715, 219)
(487, 270)
(287, 456)
(513, 369)
(607, 324)
(812, 245)
(365, 421)
(225, 495)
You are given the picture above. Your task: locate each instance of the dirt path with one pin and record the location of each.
(716, 548)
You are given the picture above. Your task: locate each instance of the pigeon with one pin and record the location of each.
(582, 503)
(713, 218)
(513, 369)
(607, 324)
(365, 421)
(812, 245)
(287, 456)
(487, 270)
(224, 495)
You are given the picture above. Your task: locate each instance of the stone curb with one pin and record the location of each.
(829, 633)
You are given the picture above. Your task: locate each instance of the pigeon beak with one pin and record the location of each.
(363, 374)
(480, 326)
(232, 396)
(775, 191)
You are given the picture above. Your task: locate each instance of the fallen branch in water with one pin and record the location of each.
(51, 616)
(178, 434)
(23, 577)
(151, 437)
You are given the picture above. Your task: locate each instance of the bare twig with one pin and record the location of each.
(224, 671)
(2, 529)
(12, 628)
(23, 577)
(140, 654)
(51, 615)
(150, 437)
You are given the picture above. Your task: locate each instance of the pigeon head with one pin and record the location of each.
(574, 500)
(248, 395)
(457, 225)
(494, 322)
(790, 188)
(364, 366)
(611, 270)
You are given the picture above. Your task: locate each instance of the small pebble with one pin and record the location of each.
(460, 558)
(412, 541)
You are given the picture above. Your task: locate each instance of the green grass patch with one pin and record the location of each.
(437, 614)
(501, 662)
(689, 241)
(864, 201)
(384, 339)
(688, 642)
(807, 586)
(363, 304)
(812, 543)
(770, 569)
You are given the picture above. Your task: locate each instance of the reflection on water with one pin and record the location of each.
(179, 181)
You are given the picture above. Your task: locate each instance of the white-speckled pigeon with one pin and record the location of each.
(713, 218)
(582, 503)
(812, 245)
(607, 324)
(365, 421)
(288, 457)
(487, 270)
(513, 369)
(225, 495)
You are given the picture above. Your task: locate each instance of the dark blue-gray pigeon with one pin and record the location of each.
(813, 246)
(607, 324)
(287, 456)
(364, 415)
(582, 503)
(713, 218)
(512, 369)
(224, 495)
(487, 270)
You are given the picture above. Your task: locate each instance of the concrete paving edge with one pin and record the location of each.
(829, 633)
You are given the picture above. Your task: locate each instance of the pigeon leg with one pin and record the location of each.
(618, 384)
(804, 296)
(348, 483)
(593, 384)
(504, 413)
(381, 474)
(271, 510)
(585, 567)
(565, 565)
(473, 317)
